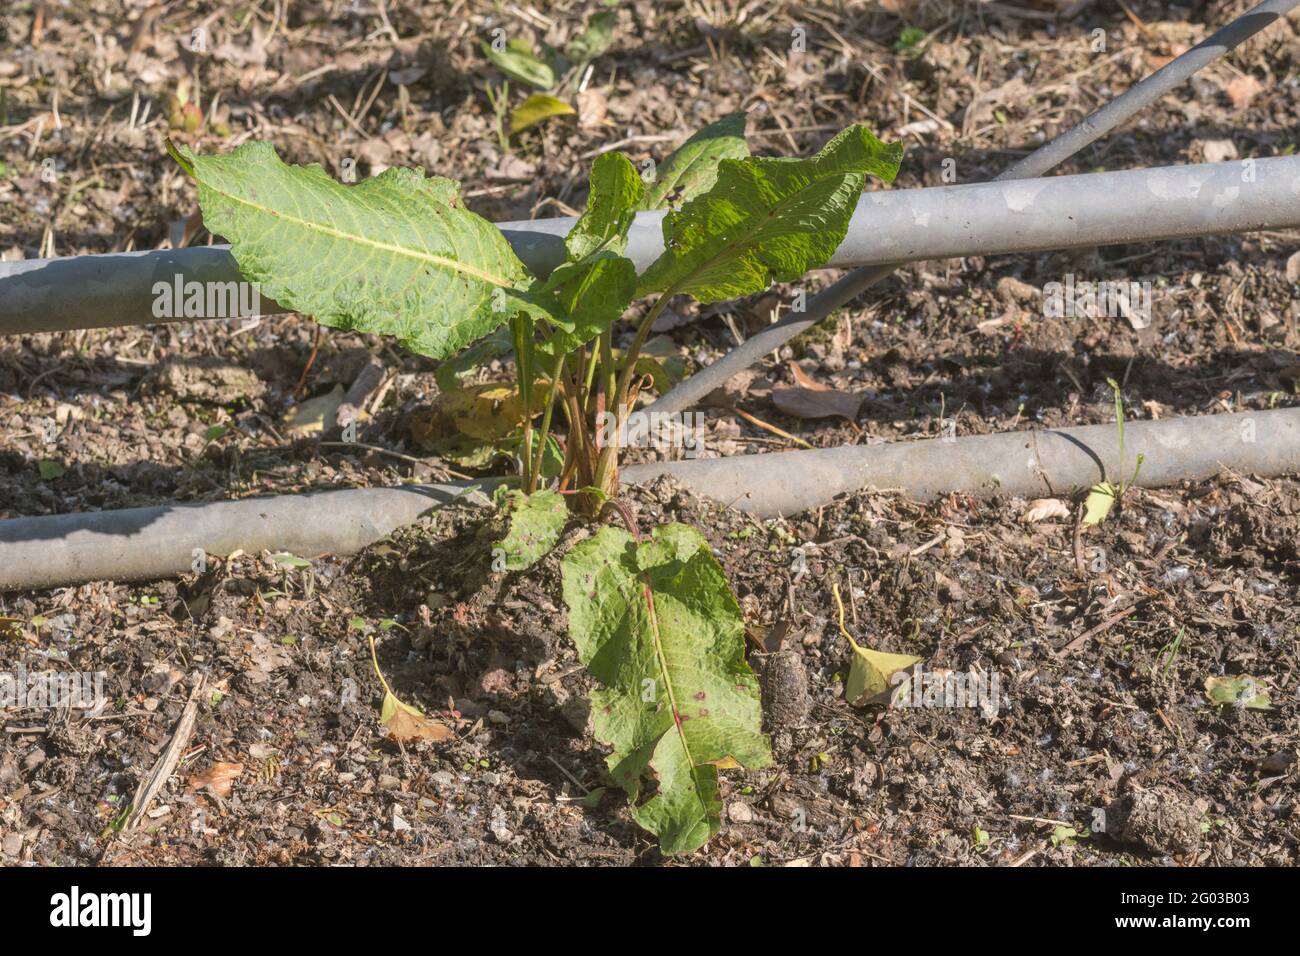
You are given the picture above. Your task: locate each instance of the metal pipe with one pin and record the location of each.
(148, 543)
(163, 540)
(1090, 129)
(889, 227)
(1149, 89)
(1024, 463)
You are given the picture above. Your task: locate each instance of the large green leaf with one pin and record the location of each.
(593, 298)
(398, 254)
(536, 522)
(767, 220)
(614, 194)
(657, 625)
(597, 283)
(692, 168)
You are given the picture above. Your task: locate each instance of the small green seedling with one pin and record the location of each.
(1066, 835)
(1168, 654)
(909, 40)
(499, 98)
(1103, 496)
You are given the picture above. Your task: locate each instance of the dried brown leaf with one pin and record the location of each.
(1042, 509)
(810, 399)
(218, 779)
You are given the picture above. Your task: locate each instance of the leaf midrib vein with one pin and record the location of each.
(648, 593)
(374, 244)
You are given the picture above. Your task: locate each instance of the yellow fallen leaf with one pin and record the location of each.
(487, 412)
(535, 109)
(316, 415)
(404, 722)
(870, 671)
(490, 412)
(1098, 504)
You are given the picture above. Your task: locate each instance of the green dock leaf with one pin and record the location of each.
(767, 220)
(613, 197)
(596, 284)
(398, 254)
(692, 168)
(536, 523)
(657, 625)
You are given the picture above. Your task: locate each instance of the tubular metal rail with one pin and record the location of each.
(158, 541)
(888, 228)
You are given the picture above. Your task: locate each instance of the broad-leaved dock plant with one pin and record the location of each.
(652, 615)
